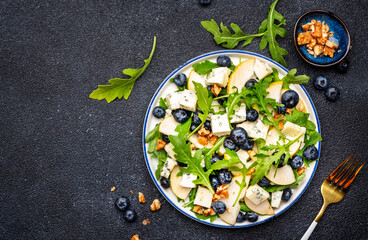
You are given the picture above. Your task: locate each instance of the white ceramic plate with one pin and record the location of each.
(166, 87)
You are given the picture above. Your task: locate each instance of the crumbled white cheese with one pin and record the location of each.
(203, 197)
(219, 76)
(257, 194)
(220, 125)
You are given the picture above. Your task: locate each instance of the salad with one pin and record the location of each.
(234, 141)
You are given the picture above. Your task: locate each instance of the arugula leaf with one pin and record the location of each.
(312, 137)
(184, 155)
(204, 67)
(208, 152)
(122, 86)
(204, 103)
(202, 217)
(271, 30)
(301, 119)
(294, 185)
(183, 129)
(162, 103)
(226, 38)
(290, 78)
(244, 207)
(153, 134)
(225, 163)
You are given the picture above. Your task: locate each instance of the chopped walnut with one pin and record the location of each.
(329, 52)
(198, 209)
(135, 237)
(317, 33)
(222, 187)
(252, 170)
(330, 44)
(304, 38)
(318, 50)
(204, 132)
(215, 89)
(131, 191)
(202, 140)
(160, 144)
(156, 205)
(300, 170)
(213, 139)
(216, 197)
(141, 198)
(306, 27)
(113, 188)
(209, 211)
(224, 194)
(281, 125)
(312, 43)
(146, 221)
(289, 111)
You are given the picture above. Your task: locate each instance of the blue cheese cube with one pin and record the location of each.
(169, 150)
(220, 125)
(240, 114)
(219, 76)
(188, 100)
(203, 197)
(248, 126)
(259, 131)
(187, 180)
(173, 100)
(257, 194)
(276, 199)
(167, 167)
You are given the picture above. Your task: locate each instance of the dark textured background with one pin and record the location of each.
(61, 152)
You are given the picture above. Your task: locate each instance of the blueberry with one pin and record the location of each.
(165, 138)
(215, 182)
(320, 82)
(158, 112)
(228, 143)
(238, 135)
(180, 164)
(207, 125)
(219, 207)
(310, 152)
(281, 161)
(241, 217)
(290, 98)
(215, 158)
(248, 145)
(224, 61)
(209, 88)
(221, 100)
(281, 110)
(196, 119)
(205, 2)
(250, 83)
(264, 182)
(252, 216)
(122, 203)
(224, 176)
(193, 127)
(332, 93)
(165, 182)
(180, 80)
(343, 66)
(180, 115)
(286, 194)
(296, 161)
(130, 215)
(252, 115)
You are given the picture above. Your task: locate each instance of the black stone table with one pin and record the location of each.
(61, 152)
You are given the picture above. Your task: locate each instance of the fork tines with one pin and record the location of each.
(345, 173)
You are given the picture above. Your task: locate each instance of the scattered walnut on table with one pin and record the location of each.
(146, 221)
(135, 237)
(141, 198)
(156, 205)
(113, 188)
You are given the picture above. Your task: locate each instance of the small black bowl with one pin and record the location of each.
(341, 36)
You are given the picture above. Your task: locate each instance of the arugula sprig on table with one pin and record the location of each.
(268, 30)
(122, 87)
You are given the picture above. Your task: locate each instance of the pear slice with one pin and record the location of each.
(301, 106)
(294, 148)
(272, 137)
(195, 77)
(264, 208)
(284, 175)
(168, 126)
(178, 190)
(232, 211)
(274, 91)
(242, 73)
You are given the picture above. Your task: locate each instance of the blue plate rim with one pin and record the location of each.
(339, 20)
(149, 110)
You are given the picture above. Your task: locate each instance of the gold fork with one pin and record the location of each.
(335, 186)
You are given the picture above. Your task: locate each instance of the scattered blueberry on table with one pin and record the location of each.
(332, 93)
(320, 82)
(205, 2)
(122, 203)
(343, 66)
(130, 215)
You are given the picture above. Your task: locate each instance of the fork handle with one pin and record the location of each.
(309, 231)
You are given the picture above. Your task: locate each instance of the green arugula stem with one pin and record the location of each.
(188, 203)
(195, 130)
(220, 97)
(219, 142)
(231, 107)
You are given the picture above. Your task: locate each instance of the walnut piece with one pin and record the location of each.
(317, 33)
(213, 139)
(330, 44)
(146, 221)
(209, 211)
(312, 43)
(198, 209)
(202, 140)
(156, 205)
(318, 50)
(328, 52)
(135, 237)
(300, 171)
(141, 198)
(113, 188)
(215, 89)
(160, 144)
(252, 170)
(203, 132)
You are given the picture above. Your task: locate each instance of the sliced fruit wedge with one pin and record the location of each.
(242, 73)
(178, 190)
(301, 106)
(274, 91)
(195, 77)
(232, 211)
(264, 208)
(168, 126)
(273, 137)
(284, 175)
